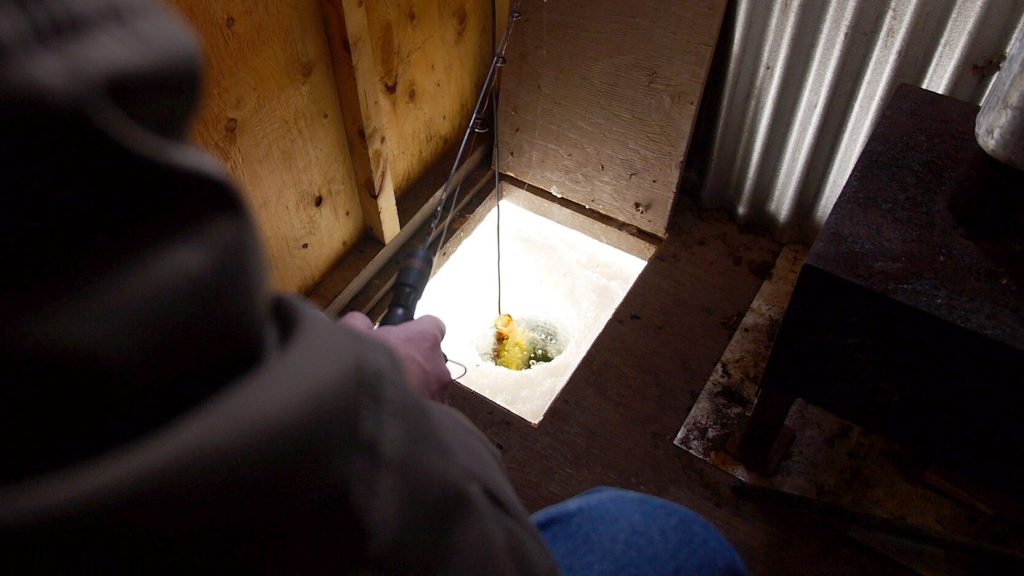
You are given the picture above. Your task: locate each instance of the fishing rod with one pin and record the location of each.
(416, 270)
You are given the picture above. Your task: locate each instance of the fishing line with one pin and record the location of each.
(500, 60)
(497, 188)
(415, 272)
(492, 80)
(465, 370)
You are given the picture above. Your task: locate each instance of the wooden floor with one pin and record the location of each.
(614, 422)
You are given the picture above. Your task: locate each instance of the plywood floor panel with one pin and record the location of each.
(615, 421)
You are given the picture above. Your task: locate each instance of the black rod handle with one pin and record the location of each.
(409, 284)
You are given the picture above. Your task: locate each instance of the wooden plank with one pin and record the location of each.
(356, 274)
(599, 98)
(502, 7)
(345, 271)
(270, 112)
(419, 65)
(379, 214)
(377, 121)
(569, 214)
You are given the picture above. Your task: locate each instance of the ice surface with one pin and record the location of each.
(549, 272)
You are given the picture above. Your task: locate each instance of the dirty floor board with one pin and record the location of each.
(614, 422)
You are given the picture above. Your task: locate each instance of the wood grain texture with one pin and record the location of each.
(379, 213)
(599, 98)
(502, 7)
(377, 122)
(419, 65)
(271, 113)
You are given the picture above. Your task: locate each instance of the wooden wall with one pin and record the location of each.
(418, 66)
(599, 99)
(326, 111)
(271, 113)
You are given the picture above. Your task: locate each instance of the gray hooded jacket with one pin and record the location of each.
(160, 409)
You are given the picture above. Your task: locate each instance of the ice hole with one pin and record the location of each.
(551, 274)
(520, 343)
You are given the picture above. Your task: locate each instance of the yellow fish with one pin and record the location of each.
(511, 348)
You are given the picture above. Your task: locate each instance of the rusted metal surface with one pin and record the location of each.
(929, 220)
(803, 83)
(862, 482)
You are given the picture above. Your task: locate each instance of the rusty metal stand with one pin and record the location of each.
(908, 315)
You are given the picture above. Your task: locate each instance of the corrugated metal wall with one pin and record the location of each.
(803, 83)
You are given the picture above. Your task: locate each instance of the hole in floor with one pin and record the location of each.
(560, 288)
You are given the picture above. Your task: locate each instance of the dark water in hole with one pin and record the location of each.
(536, 342)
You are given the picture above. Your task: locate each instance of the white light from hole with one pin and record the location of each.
(549, 272)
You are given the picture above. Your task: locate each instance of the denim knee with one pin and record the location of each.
(614, 531)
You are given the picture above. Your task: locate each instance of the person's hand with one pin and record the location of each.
(418, 346)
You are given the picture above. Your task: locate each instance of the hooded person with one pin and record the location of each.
(160, 408)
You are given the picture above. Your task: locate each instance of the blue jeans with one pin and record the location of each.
(612, 531)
